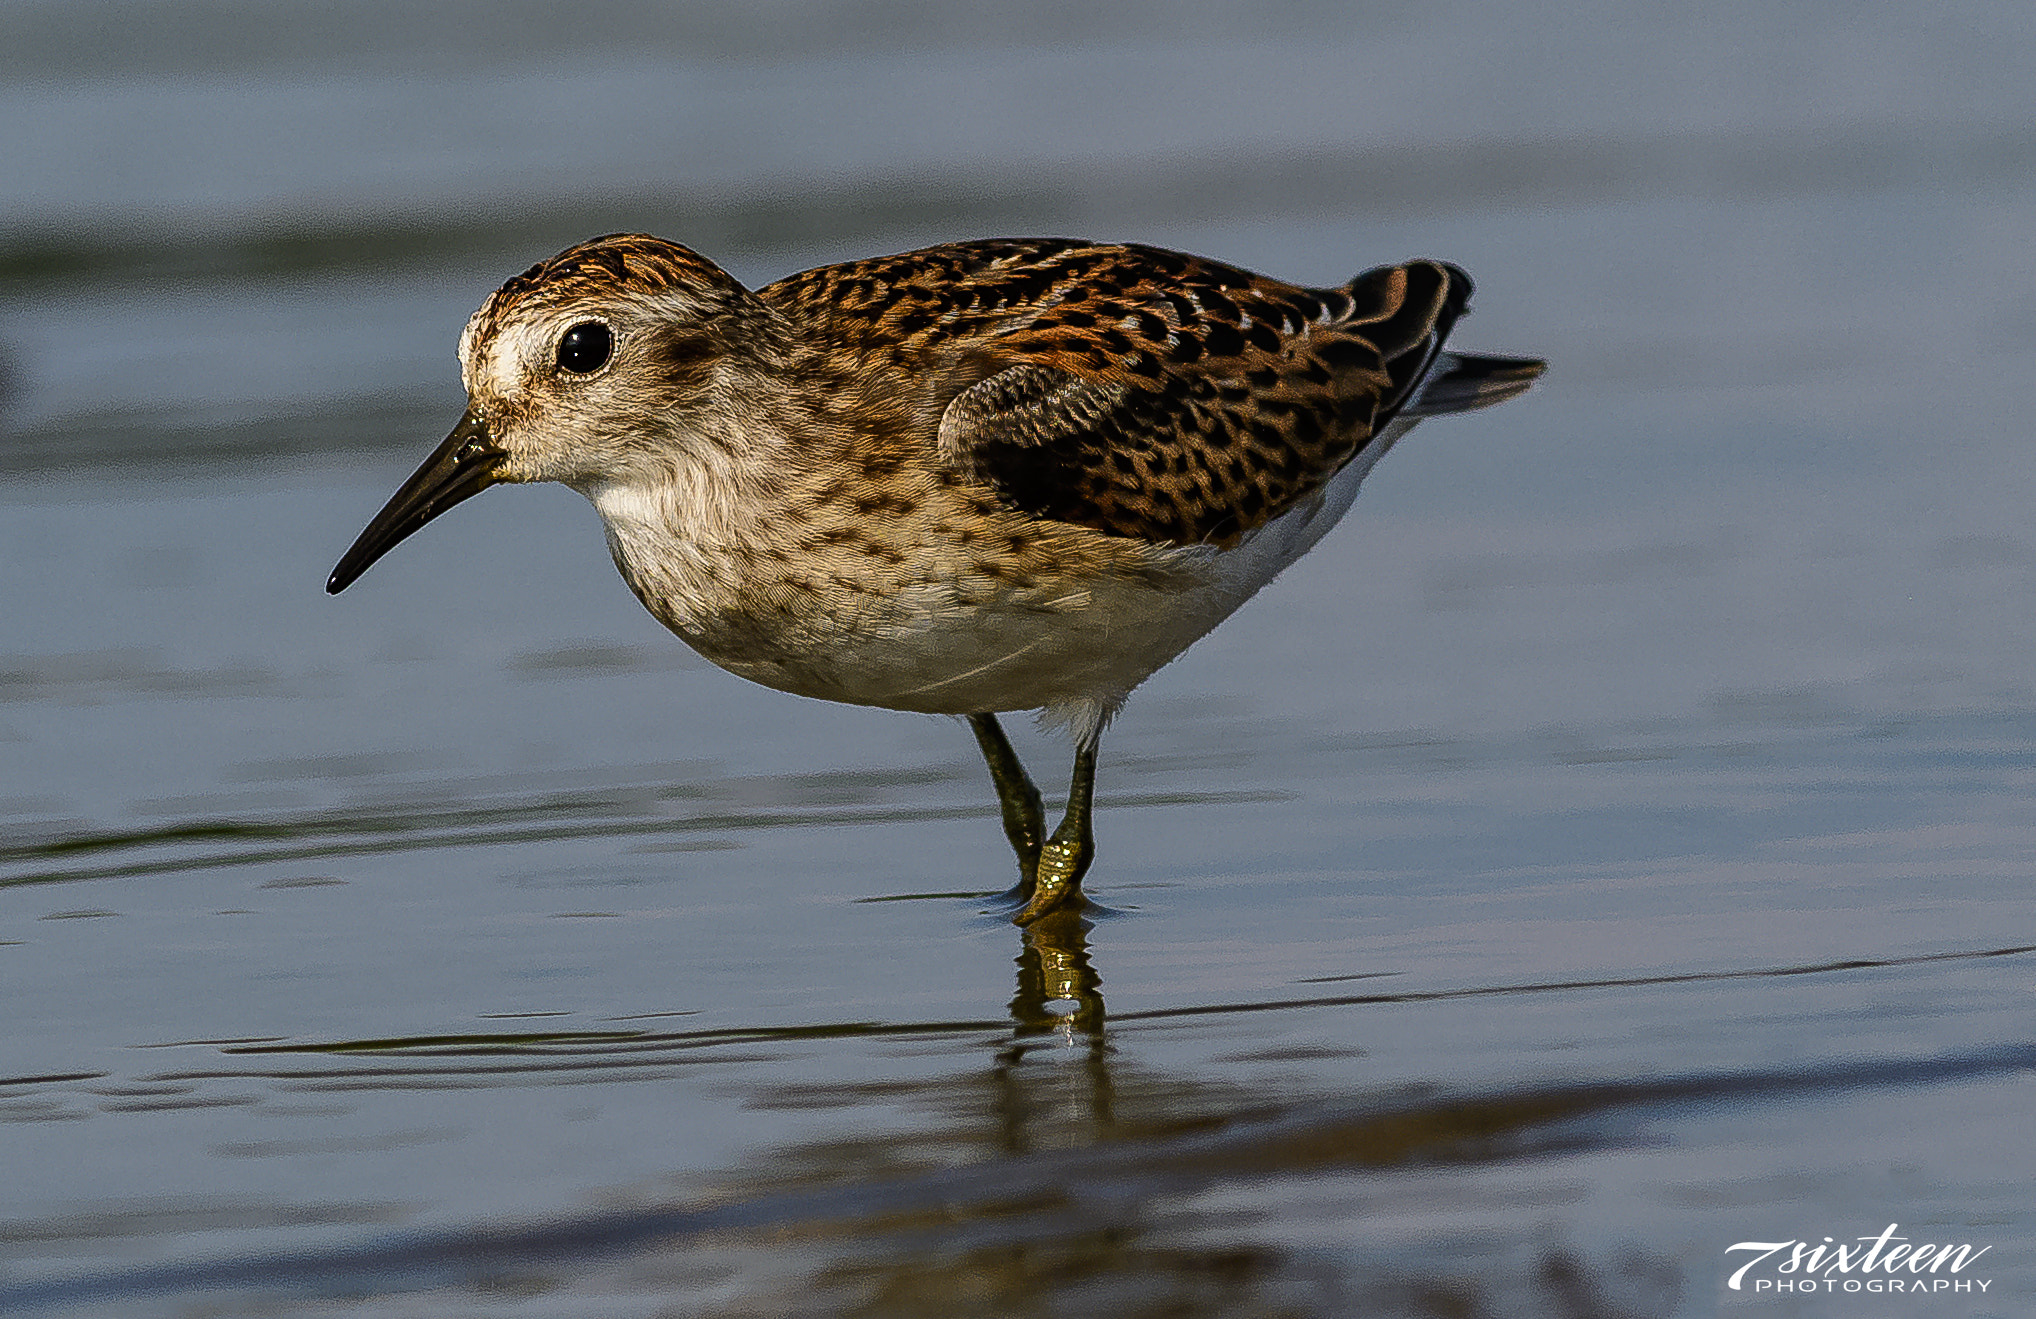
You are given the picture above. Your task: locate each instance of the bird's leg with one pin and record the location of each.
(1024, 820)
(1057, 880)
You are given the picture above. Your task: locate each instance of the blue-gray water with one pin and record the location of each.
(1614, 844)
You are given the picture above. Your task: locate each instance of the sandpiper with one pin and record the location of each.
(1014, 474)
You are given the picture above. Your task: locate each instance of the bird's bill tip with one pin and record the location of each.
(457, 470)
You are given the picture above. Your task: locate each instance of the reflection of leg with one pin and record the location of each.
(1057, 1106)
(1066, 856)
(1054, 968)
(1024, 820)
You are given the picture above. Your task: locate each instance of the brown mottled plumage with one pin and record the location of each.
(999, 475)
(1137, 391)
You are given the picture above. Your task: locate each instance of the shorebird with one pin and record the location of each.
(993, 476)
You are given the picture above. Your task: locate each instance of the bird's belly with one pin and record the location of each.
(937, 650)
(1080, 622)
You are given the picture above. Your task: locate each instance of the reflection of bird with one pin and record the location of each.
(1005, 475)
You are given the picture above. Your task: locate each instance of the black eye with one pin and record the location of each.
(584, 349)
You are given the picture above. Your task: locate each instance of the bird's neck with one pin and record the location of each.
(696, 527)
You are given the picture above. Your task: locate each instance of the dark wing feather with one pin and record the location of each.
(1462, 382)
(1141, 392)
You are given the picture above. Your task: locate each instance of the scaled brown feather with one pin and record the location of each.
(1135, 391)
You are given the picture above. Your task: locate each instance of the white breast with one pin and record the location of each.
(943, 641)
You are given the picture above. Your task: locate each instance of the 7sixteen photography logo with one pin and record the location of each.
(1877, 1265)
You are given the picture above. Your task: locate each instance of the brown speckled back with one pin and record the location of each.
(1131, 390)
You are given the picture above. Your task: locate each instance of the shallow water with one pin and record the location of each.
(1612, 845)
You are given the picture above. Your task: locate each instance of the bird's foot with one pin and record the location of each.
(1056, 879)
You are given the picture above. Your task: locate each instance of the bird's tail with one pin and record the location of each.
(1461, 382)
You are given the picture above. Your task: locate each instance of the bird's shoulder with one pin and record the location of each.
(1132, 390)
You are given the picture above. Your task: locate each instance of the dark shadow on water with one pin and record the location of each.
(950, 1220)
(1046, 1172)
(1054, 969)
(685, 807)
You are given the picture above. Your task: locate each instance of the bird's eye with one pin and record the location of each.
(584, 349)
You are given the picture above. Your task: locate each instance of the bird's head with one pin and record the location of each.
(596, 366)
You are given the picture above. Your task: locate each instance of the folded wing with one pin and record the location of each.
(1185, 402)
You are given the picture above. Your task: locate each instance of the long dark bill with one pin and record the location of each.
(459, 469)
